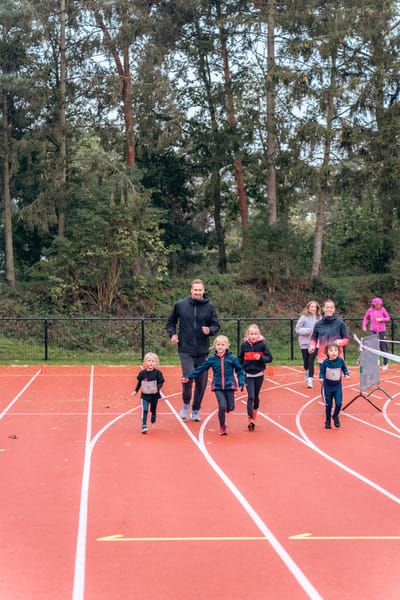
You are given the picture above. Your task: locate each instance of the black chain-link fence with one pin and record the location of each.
(126, 340)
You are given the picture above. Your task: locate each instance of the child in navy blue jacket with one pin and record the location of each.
(330, 373)
(150, 379)
(224, 365)
(254, 354)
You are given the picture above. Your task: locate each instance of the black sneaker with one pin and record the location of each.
(251, 426)
(328, 425)
(336, 421)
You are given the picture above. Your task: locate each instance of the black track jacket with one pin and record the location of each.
(192, 316)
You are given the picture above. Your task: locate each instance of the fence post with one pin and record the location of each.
(291, 340)
(46, 339)
(238, 321)
(143, 343)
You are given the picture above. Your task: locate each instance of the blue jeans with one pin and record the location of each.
(226, 403)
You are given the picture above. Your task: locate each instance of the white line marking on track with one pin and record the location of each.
(13, 401)
(306, 440)
(295, 570)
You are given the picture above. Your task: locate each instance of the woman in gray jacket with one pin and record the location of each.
(304, 328)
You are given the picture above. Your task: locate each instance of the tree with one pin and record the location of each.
(14, 31)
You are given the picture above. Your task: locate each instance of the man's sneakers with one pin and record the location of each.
(184, 412)
(195, 415)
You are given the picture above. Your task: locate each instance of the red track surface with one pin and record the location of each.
(94, 510)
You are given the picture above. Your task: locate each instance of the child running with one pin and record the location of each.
(330, 374)
(254, 354)
(224, 365)
(150, 379)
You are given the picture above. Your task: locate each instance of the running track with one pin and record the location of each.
(91, 509)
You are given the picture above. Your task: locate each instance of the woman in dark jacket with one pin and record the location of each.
(330, 329)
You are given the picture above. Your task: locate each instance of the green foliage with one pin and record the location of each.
(275, 253)
(355, 240)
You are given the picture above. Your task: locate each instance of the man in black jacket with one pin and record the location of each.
(198, 320)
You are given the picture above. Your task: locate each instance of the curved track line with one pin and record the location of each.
(90, 443)
(301, 578)
(306, 440)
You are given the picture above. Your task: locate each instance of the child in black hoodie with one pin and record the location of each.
(254, 354)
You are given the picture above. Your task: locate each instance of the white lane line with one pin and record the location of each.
(14, 400)
(90, 443)
(295, 570)
(307, 441)
(80, 555)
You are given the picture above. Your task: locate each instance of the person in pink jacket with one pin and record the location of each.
(377, 316)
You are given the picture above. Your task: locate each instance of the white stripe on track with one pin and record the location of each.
(295, 570)
(14, 400)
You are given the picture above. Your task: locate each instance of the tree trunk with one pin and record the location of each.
(62, 127)
(238, 165)
(123, 70)
(324, 195)
(271, 126)
(10, 267)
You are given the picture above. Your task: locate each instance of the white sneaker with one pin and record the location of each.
(195, 415)
(305, 375)
(384, 367)
(310, 382)
(184, 412)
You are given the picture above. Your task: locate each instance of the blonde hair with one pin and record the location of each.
(252, 326)
(153, 356)
(306, 309)
(221, 338)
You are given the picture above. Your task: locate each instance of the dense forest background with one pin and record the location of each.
(143, 143)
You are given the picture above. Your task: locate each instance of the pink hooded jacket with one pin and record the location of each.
(373, 314)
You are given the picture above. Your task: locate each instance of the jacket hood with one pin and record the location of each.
(202, 300)
(376, 301)
(260, 338)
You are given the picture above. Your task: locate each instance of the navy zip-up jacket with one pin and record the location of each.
(246, 352)
(192, 316)
(224, 369)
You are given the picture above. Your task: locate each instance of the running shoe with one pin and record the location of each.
(144, 429)
(222, 431)
(195, 415)
(184, 412)
(251, 425)
(336, 421)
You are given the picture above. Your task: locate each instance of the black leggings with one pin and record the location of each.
(308, 361)
(253, 386)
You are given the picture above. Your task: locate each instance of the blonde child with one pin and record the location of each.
(254, 354)
(330, 373)
(150, 379)
(224, 365)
